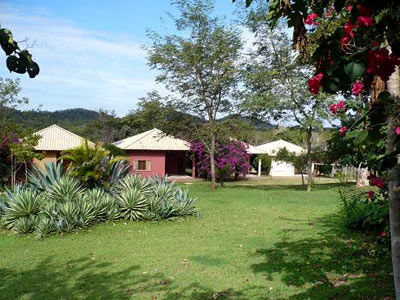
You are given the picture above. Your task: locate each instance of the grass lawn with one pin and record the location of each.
(261, 239)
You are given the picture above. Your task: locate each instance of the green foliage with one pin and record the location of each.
(43, 179)
(361, 213)
(59, 203)
(266, 162)
(94, 166)
(18, 61)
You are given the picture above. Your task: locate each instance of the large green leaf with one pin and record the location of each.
(354, 70)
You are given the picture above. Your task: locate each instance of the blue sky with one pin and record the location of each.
(90, 52)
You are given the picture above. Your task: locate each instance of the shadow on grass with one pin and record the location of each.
(335, 264)
(292, 187)
(84, 278)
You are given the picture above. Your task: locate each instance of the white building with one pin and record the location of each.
(280, 168)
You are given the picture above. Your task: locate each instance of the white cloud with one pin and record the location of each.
(79, 67)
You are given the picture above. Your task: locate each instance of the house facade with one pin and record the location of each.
(280, 168)
(53, 140)
(155, 153)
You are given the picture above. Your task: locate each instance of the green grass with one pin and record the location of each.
(263, 239)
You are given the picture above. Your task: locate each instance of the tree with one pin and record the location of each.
(199, 65)
(18, 61)
(300, 161)
(275, 81)
(9, 100)
(357, 54)
(155, 111)
(22, 152)
(231, 159)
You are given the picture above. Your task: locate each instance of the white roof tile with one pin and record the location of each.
(56, 138)
(153, 139)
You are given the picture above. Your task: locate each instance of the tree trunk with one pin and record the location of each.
(302, 177)
(309, 162)
(212, 161)
(26, 171)
(393, 86)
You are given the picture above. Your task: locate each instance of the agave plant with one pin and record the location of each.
(44, 226)
(104, 206)
(132, 204)
(43, 179)
(66, 189)
(134, 182)
(21, 204)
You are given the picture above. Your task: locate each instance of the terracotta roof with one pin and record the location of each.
(273, 147)
(56, 138)
(153, 139)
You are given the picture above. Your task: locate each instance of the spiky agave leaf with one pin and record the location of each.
(134, 182)
(25, 224)
(67, 189)
(23, 203)
(132, 204)
(104, 206)
(43, 179)
(44, 226)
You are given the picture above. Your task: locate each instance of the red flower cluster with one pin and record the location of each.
(376, 181)
(314, 83)
(370, 194)
(381, 63)
(342, 130)
(365, 21)
(364, 18)
(311, 20)
(328, 13)
(357, 88)
(348, 28)
(338, 107)
(397, 130)
(383, 234)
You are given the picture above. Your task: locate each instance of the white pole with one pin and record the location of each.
(259, 167)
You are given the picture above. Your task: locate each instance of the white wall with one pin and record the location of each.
(281, 168)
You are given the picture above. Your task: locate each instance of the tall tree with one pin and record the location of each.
(199, 65)
(275, 81)
(9, 100)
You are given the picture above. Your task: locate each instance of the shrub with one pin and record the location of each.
(362, 213)
(94, 166)
(64, 205)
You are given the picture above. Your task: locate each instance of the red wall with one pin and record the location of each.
(157, 159)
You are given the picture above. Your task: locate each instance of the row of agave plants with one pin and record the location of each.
(53, 201)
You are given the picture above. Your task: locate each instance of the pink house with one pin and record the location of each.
(154, 152)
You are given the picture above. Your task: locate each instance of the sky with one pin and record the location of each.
(90, 52)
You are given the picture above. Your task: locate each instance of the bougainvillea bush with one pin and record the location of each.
(232, 159)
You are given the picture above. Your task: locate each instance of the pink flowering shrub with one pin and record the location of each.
(231, 159)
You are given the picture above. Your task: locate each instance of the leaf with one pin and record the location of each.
(33, 69)
(354, 70)
(358, 136)
(12, 63)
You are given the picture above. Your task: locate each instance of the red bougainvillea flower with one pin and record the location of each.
(365, 21)
(311, 20)
(342, 130)
(349, 7)
(383, 234)
(397, 130)
(377, 181)
(381, 63)
(338, 107)
(314, 83)
(370, 194)
(348, 28)
(357, 88)
(344, 42)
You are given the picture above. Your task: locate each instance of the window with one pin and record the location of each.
(142, 165)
